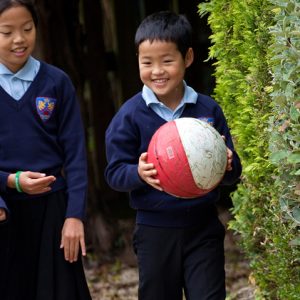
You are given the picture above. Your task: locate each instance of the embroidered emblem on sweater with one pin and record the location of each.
(45, 107)
(208, 120)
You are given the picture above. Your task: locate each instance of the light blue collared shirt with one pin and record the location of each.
(190, 96)
(16, 84)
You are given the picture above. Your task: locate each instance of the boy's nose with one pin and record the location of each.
(157, 70)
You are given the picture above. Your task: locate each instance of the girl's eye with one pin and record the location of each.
(5, 33)
(28, 29)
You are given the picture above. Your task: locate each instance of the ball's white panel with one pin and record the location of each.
(205, 150)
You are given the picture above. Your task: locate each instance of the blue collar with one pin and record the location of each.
(190, 96)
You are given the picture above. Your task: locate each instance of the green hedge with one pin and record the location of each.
(284, 125)
(255, 44)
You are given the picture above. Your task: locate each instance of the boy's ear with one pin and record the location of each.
(189, 57)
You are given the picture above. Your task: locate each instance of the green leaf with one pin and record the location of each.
(278, 156)
(296, 214)
(283, 204)
(294, 158)
(294, 113)
(295, 242)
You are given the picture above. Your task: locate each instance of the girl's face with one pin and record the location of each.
(17, 37)
(162, 69)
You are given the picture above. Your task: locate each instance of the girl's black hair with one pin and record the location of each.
(6, 4)
(165, 26)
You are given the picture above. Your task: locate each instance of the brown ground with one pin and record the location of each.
(118, 280)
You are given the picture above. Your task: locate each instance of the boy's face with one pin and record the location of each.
(17, 37)
(162, 69)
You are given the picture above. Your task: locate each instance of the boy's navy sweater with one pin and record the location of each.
(129, 134)
(55, 146)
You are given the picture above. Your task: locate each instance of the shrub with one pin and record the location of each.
(256, 48)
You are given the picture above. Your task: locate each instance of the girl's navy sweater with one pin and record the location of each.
(43, 132)
(129, 134)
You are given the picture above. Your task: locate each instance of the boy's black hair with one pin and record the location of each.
(6, 4)
(165, 26)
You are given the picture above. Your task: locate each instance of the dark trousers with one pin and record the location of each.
(32, 265)
(173, 260)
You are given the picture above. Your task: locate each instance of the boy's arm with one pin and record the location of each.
(122, 153)
(233, 175)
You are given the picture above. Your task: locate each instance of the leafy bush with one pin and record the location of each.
(284, 125)
(256, 47)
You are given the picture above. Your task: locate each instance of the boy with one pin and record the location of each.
(178, 242)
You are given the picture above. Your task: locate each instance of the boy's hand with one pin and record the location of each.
(147, 171)
(72, 238)
(229, 157)
(2, 214)
(32, 182)
(229, 160)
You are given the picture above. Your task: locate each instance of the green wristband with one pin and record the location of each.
(17, 182)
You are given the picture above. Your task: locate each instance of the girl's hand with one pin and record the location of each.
(2, 214)
(32, 182)
(147, 171)
(72, 238)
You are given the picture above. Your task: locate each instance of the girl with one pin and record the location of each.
(43, 176)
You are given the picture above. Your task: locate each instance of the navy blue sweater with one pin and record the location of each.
(43, 132)
(129, 134)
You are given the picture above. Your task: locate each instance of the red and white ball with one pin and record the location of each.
(190, 157)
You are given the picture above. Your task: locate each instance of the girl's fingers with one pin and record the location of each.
(72, 251)
(82, 245)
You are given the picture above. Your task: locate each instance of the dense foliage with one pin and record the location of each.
(255, 44)
(284, 125)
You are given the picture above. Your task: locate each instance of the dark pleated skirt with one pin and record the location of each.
(32, 265)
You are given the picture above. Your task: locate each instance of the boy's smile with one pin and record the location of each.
(17, 37)
(162, 69)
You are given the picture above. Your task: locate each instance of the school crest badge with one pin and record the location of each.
(45, 107)
(208, 120)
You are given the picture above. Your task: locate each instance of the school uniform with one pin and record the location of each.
(178, 242)
(40, 130)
